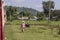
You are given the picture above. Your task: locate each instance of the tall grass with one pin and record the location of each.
(13, 32)
(18, 22)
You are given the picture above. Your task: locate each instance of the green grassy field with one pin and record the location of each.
(18, 22)
(13, 32)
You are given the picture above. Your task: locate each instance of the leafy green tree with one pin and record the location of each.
(56, 13)
(25, 14)
(41, 16)
(46, 6)
(28, 14)
(11, 13)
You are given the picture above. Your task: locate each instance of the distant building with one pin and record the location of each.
(23, 18)
(26, 18)
(34, 18)
(47, 18)
(54, 18)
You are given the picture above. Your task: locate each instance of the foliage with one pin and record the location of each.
(56, 14)
(25, 14)
(14, 12)
(18, 22)
(46, 6)
(11, 13)
(41, 16)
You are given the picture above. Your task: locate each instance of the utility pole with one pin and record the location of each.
(49, 11)
(22, 15)
(49, 17)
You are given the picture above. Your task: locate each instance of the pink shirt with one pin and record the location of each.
(23, 25)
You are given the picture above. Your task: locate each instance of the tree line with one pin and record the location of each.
(12, 12)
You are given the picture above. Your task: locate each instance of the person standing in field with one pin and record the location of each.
(23, 25)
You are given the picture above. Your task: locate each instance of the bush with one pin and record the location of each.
(27, 25)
